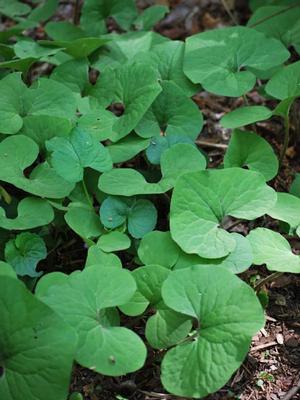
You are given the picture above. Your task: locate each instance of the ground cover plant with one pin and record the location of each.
(100, 153)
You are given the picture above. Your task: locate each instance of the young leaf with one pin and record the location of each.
(244, 116)
(113, 241)
(34, 343)
(287, 209)
(247, 149)
(98, 257)
(176, 161)
(85, 302)
(24, 252)
(158, 248)
(172, 113)
(141, 215)
(83, 220)
(274, 250)
(228, 314)
(69, 156)
(199, 204)
(215, 59)
(19, 152)
(135, 86)
(32, 212)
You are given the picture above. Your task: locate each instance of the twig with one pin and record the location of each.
(156, 395)
(264, 346)
(291, 393)
(260, 21)
(227, 9)
(267, 279)
(208, 144)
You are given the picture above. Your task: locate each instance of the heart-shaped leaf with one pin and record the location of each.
(135, 86)
(228, 314)
(127, 148)
(274, 250)
(83, 220)
(24, 252)
(141, 215)
(244, 116)
(200, 203)
(172, 113)
(85, 302)
(96, 256)
(220, 59)
(34, 343)
(247, 149)
(69, 156)
(177, 160)
(113, 241)
(150, 16)
(287, 209)
(32, 212)
(285, 83)
(19, 152)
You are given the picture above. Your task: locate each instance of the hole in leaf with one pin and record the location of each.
(117, 108)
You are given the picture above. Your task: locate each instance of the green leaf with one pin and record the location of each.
(150, 17)
(255, 4)
(76, 48)
(69, 156)
(238, 261)
(176, 161)
(283, 25)
(99, 123)
(31, 49)
(285, 83)
(140, 215)
(13, 8)
(274, 250)
(228, 314)
(166, 327)
(7, 270)
(127, 148)
(95, 12)
(287, 209)
(172, 113)
(247, 149)
(32, 212)
(83, 220)
(98, 257)
(113, 241)
(135, 86)
(244, 116)
(64, 30)
(158, 248)
(215, 59)
(295, 186)
(24, 253)
(200, 203)
(73, 74)
(19, 152)
(36, 346)
(43, 11)
(85, 301)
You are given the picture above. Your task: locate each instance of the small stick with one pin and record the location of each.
(264, 346)
(208, 144)
(292, 392)
(267, 279)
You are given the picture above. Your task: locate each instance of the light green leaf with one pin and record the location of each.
(177, 160)
(285, 83)
(99, 123)
(95, 12)
(287, 209)
(98, 257)
(13, 8)
(69, 156)
(172, 113)
(244, 116)
(200, 203)
(73, 74)
(238, 261)
(19, 152)
(274, 250)
(127, 148)
(140, 215)
(24, 252)
(158, 248)
(228, 314)
(135, 86)
(215, 58)
(150, 16)
(36, 346)
(43, 11)
(113, 241)
(7, 270)
(64, 30)
(31, 49)
(76, 48)
(247, 149)
(166, 327)
(32, 212)
(85, 302)
(83, 220)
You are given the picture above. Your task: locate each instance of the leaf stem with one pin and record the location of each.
(87, 195)
(286, 139)
(267, 279)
